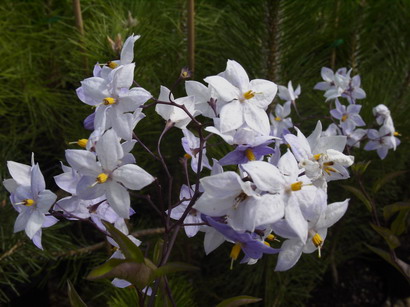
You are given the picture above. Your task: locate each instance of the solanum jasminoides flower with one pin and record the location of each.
(30, 198)
(246, 100)
(108, 175)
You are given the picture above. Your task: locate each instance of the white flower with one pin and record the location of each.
(246, 100)
(109, 175)
(174, 114)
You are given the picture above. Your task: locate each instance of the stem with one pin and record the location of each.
(135, 137)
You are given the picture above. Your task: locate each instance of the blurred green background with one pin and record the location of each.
(43, 58)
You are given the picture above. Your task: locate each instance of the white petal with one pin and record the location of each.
(224, 89)
(291, 250)
(109, 150)
(212, 240)
(20, 172)
(127, 52)
(132, 176)
(34, 223)
(256, 118)
(265, 176)
(83, 161)
(118, 198)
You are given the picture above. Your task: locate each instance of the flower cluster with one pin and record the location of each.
(276, 202)
(341, 85)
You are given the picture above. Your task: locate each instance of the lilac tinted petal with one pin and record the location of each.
(327, 74)
(283, 229)
(89, 122)
(232, 116)
(37, 239)
(255, 249)
(234, 157)
(127, 51)
(382, 152)
(109, 150)
(336, 114)
(22, 219)
(120, 283)
(237, 75)
(45, 200)
(132, 176)
(212, 240)
(222, 185)
(37, 180)
(322, 86)
(119, 199)
(265, 176)
(291, 250)
(333, 213)
(20, 172)
(372, 145)
(87, 190)
(295, 219)
(34, 223)
(256, 118)
(359, 93)
(83, 161)
(354, 108)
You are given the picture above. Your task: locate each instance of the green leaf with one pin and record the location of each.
(390, 210)
(238, 301)
(360, 168)
(173, 267)
(128, 248)
(386, 179)
(388, 236)
(158, 251)
(75, 299)
(401, 266)
(139, 274)
(399, 225)
(359, 194)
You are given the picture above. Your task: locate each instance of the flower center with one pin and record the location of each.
(296, 186)
(109, 101)
(241, 197)
(278, 119)
(112, 65)
(28, 202)
(187, 156)
(250, 155)
(344, 117)
(317, 157)
(101, 178)
(396, 133)
(82, 143)
(328, 167)
(249, 94)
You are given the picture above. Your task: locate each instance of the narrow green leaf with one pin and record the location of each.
(385, 179)
(401, 266)
(388, 236)
(173, 267)
(389, 210)
(360, 168)
(238, 301)
(158, 251)
(139, 274)
(399, 225)
(359, 194)
(75, 299)
(128, 248)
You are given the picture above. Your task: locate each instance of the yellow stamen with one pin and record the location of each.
(329, 169)
(236, 249)
(317, 241)
(112, 65)
(296, 186)
(82, 143)
(317, 157)
(271, 237)
(187, 156)
(249, 94)
(184, 74)
(28, 202)
(277, 118)
(109, 100)
(250, 155)
(396, 133)
(101, 178)
(344, 117)
(266, 243)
